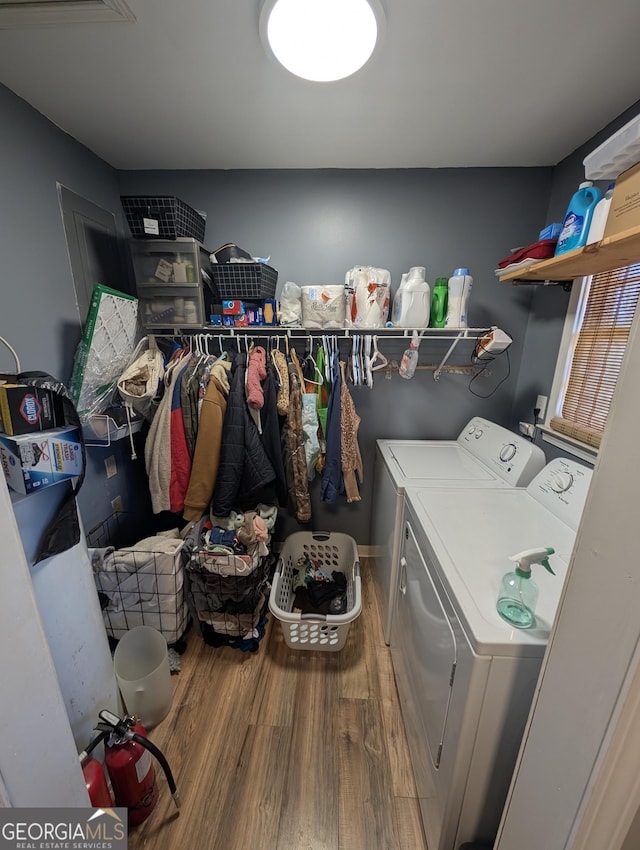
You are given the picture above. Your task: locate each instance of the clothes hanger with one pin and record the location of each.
(378, 355)
(327, 358)
(368, 372)
(308, 358)
(355, 361)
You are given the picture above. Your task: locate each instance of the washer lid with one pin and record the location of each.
(435, 463)
(469, 538)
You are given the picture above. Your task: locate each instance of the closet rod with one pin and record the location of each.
(393, 366)
(345, 333)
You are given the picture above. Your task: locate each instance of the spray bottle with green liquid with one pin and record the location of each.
(518, 591)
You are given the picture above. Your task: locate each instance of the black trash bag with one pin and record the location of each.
(231, 251)
(63, 532)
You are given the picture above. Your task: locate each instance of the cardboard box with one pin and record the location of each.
(26, 410)
(624, 212)
(232, 307)
(32, 462)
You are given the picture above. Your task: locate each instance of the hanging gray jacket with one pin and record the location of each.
(244, 465)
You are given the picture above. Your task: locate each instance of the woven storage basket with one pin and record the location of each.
(332, 551)
(251, 281)
(175, 218)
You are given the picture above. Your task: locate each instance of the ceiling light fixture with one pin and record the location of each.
(321, 40)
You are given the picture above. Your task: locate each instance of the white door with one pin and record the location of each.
(423, 649)
(38, 758)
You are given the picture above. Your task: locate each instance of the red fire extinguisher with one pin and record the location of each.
(94, 776)
(128, 761)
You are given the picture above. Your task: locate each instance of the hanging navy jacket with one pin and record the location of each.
(271, 432)
(245, 467)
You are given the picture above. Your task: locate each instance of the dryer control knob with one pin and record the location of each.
(471, 430)
(561, 482)
(507, 452)
(479, 433)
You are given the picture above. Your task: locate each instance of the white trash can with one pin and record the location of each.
(142, 671)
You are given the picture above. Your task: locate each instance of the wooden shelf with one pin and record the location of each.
(613, 252)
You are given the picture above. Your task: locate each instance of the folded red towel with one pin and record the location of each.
(541, 250)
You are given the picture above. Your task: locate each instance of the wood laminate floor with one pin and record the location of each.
(287, 749)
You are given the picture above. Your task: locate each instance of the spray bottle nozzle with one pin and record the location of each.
(532, 556)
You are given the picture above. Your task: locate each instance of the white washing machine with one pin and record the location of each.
(465, 677)
(484, 455)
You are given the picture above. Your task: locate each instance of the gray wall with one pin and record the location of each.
(39, 315)
(314, 225)
(317, 224)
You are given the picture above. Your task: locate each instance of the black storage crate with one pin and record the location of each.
(252, 281)
(174, 217)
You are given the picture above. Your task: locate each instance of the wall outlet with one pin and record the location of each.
(116, 505)
(528, 429)
(541, 404)
(110, 466)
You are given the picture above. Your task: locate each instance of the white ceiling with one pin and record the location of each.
(454, 83)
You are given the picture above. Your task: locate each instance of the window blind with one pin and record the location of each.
(598, 354)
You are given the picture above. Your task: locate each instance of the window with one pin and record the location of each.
(595, 337)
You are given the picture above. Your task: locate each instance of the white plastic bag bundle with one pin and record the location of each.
(368, 291)
(139, 382)
(310, 428)
(290, 314)
(323, 306)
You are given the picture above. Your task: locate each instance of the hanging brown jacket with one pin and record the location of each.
(206, 456)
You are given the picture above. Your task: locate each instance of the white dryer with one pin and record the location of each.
(485, 455)
(465, 677)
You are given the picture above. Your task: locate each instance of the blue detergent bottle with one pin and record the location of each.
(577, 221)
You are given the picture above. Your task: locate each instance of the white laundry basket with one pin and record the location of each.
(332, 551)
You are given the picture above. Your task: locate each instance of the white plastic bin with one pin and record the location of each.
(332, 551)
(142, 671)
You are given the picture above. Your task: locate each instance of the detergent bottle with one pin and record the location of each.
(518, 591)
(412, 302)
(600, 216)
(459, 289)
(577, 221)
(439, 303)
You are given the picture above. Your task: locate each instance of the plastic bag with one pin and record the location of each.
(290, 305)
(323, 306)
(139, 382)
(368, 293)
(310, 428)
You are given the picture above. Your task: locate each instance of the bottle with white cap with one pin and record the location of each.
(600, 216)
(412, 302)
(459, 289)
(518, 594)
(577, 221)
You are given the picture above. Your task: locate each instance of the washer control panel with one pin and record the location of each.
(512, 457)
(562, 488)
